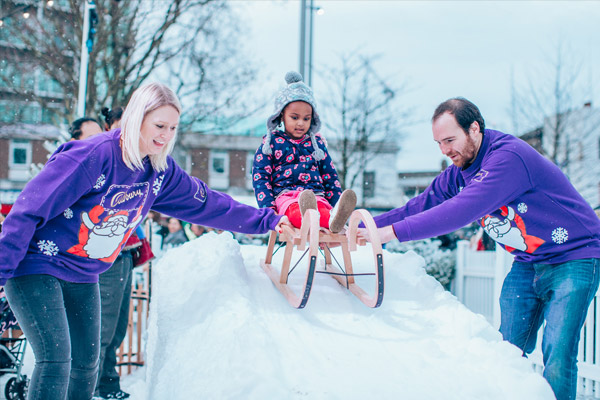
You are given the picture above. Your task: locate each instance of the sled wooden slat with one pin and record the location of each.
(348, 280)
(309, 234)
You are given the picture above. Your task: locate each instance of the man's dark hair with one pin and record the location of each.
(75, 128)
(112, 116)
(463, 110)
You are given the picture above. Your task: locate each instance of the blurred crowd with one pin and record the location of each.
(168, 232)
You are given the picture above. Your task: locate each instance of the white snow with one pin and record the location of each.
(219, 329)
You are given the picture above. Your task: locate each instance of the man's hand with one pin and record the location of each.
(284, 221)
(385, 234)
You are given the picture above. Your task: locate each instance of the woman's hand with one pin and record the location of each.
(284, 221)
(385, 234)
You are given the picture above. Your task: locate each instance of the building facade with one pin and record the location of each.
(30, 100)
(224, 162)
(578, 148)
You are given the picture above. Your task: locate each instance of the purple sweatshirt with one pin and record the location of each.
(73, 218)
(521, 199)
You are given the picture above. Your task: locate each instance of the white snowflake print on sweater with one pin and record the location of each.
(48, 247)
(560, 235)
(100, 182)
(522, 208)
(157, 185)
(68, 213)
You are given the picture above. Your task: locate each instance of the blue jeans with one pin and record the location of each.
(560, 294)
(61, 321)
(115, 293)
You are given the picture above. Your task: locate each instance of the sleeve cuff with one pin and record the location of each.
(402, 231)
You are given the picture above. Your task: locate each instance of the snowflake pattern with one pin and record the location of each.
(100, 182)
(560, 235)
(522, 207)
(48, 247)
(157, 185)
(68, 213)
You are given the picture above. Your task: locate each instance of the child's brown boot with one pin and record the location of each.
(342, 210)
(307, 201)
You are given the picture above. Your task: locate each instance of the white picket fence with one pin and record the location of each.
(477, 284)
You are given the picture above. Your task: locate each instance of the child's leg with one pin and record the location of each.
(324, 211)
(293, 214)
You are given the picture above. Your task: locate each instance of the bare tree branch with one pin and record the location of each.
(135, 40)
(363, 114)
(551, 93)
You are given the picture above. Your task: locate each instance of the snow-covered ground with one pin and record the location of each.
(219, 329)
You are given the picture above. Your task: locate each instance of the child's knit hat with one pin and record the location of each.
(296, 90)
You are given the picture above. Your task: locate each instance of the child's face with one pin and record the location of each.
(297, 117)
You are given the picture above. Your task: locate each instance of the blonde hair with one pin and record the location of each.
(144, 100)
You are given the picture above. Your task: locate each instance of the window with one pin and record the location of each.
(249, 165)
(20, 76)
(51, 115)
(48, 85)
(218, 165)
(10, 77)
(19, 153)
(218, 170)
(7, 112)
(7, 34)
(369, 184)
(19, 159)
(30, 114)
(20, 112)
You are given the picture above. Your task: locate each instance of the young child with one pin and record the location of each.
(292, 169)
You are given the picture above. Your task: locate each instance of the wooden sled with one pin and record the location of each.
(312, 241)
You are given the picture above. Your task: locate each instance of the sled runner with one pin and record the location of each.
(313, 242)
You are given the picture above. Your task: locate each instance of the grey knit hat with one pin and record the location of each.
(296, 90)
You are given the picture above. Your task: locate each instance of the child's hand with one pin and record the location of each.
(284, 221)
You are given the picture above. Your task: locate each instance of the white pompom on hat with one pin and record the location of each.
(296, 90)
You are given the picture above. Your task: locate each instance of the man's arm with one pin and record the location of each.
(507, 178)
(443, 187)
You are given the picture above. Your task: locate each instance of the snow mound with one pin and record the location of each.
(219, 329)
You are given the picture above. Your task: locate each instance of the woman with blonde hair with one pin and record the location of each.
(71, 221)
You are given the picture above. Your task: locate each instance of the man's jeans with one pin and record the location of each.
(115, 293)
(61, 321)
(559, 294)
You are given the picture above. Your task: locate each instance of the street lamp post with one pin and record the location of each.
(302, 62)
(306, 37)
(85, 55)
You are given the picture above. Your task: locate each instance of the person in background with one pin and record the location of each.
(528, 206)
(112, 117)
(176, 236)
(84, 128)
(115, 295)
(71, 221)
(157, 230)
(292, 169)
(193, 231)
(198, 230)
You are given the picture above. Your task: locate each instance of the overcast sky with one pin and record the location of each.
(442, 49)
